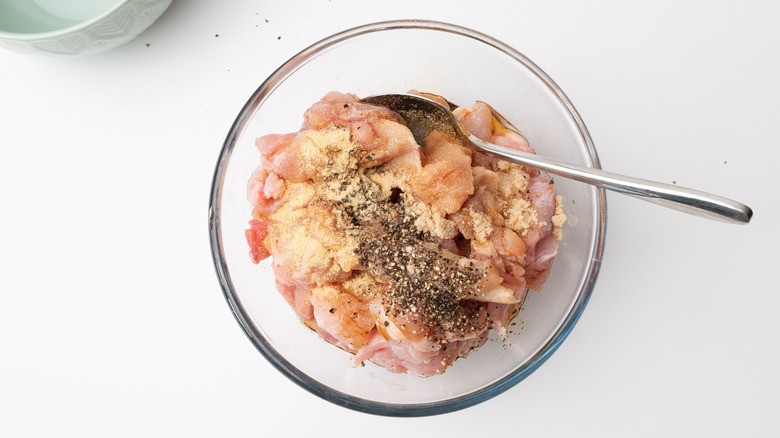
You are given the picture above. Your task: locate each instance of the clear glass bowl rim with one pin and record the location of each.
(285, 367)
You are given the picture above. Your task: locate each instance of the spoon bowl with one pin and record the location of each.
(423, 116)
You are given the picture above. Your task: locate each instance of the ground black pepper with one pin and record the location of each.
(427, 287)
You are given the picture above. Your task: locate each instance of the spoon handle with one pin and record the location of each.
(686, 200)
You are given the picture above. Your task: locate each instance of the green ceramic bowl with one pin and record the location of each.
(74, 27)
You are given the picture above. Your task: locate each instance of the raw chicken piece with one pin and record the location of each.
(298, 296)
(446, 180)
(538, 271)
(391, 140)
(343, 110)
(477, 120)
(542, 195)
(309, 242)
(486, 197)
(255, 236)
(342, 315)
(501, 315)
(498, 287)
(273, 149)
(261, 197)
(539, 258)
(511, 139)
(379, 132)
(400, 357)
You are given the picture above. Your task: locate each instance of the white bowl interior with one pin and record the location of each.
(28, 16)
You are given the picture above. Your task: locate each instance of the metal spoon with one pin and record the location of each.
(423, 115)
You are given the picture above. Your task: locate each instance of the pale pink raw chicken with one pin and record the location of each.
(460, 186)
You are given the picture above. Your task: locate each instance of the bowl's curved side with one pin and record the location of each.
(318, 388)
(116, 27)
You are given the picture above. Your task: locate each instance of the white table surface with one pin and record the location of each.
(112, 322)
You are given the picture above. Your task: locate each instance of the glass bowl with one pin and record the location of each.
(464, 66)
